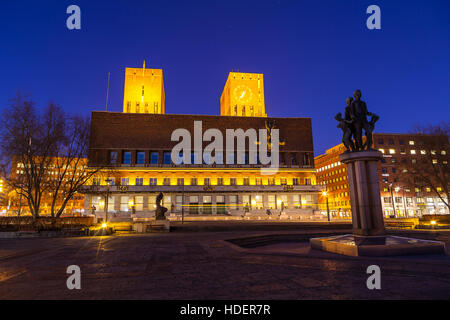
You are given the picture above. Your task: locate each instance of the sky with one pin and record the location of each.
(313, 55)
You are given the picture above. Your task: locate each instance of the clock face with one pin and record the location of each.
(243, 94)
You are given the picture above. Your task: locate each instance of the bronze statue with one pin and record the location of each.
(160, 210)
(346, 125)
(353, 123)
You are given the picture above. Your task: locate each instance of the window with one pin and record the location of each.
(126, 157)
(233, 202)
(154, 157)
(139, 181)
(246, 181)
(166, 181)
(258, 181)
(153, 181)
(125, 181)
(96, 181)
(167, 157)
(391, 151)
(232, 181)
(124, 203)
(140, 159)
(139, 203)
(380, 141)
(423, 152)
(413, 151)
(178, 203)
(193, 181)
(113, 157)
(206, 182)
(220, 181)
(295, 181)
(294, 159)
(296, 201)
(381, 150)
(308, 181)
(152, 202)
(230, 158)
(180, 181)
(411, 142)
(394, 170)
(271, 201)
(387, 200)
(401, 142)
(443, 152)
(384, 170)
(391, 141)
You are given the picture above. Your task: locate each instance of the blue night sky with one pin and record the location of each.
(313, 55)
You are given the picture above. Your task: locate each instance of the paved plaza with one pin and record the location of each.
(201, 265)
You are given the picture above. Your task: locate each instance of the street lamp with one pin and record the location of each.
(324, 193)
(108, 183)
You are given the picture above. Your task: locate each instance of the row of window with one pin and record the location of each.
(409, 200)
(413, 151)
(291, 158)
(136, 203)
(401, 142)
(194, 181)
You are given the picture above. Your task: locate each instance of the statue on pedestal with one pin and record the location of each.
(160, 210)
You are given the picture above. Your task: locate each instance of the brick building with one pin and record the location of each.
(134, 151)
(402, 194)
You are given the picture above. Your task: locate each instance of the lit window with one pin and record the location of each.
(411, 142)
(423, 152)
(392, 151)
(443, 152)
(413, 151)
(382, 150)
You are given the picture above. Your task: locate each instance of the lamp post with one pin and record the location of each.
(108, 183)
(324, 193)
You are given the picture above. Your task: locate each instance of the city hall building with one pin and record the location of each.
(132, 151)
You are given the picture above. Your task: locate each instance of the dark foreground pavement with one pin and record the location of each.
(200, 265)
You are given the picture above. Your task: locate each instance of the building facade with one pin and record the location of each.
(134, 149)
(403, 194)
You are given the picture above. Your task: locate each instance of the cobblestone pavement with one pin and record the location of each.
(203, 266)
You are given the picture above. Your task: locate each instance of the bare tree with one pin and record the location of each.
(70, 167)
(430, 168)
(29, 139)
(48, 153)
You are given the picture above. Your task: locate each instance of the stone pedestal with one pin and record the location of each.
(364, 189)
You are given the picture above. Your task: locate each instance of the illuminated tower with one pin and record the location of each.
(243, 95)
(143, 91)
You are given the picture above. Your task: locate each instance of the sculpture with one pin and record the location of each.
(160, 210)
(353, 123)
(346, 125)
